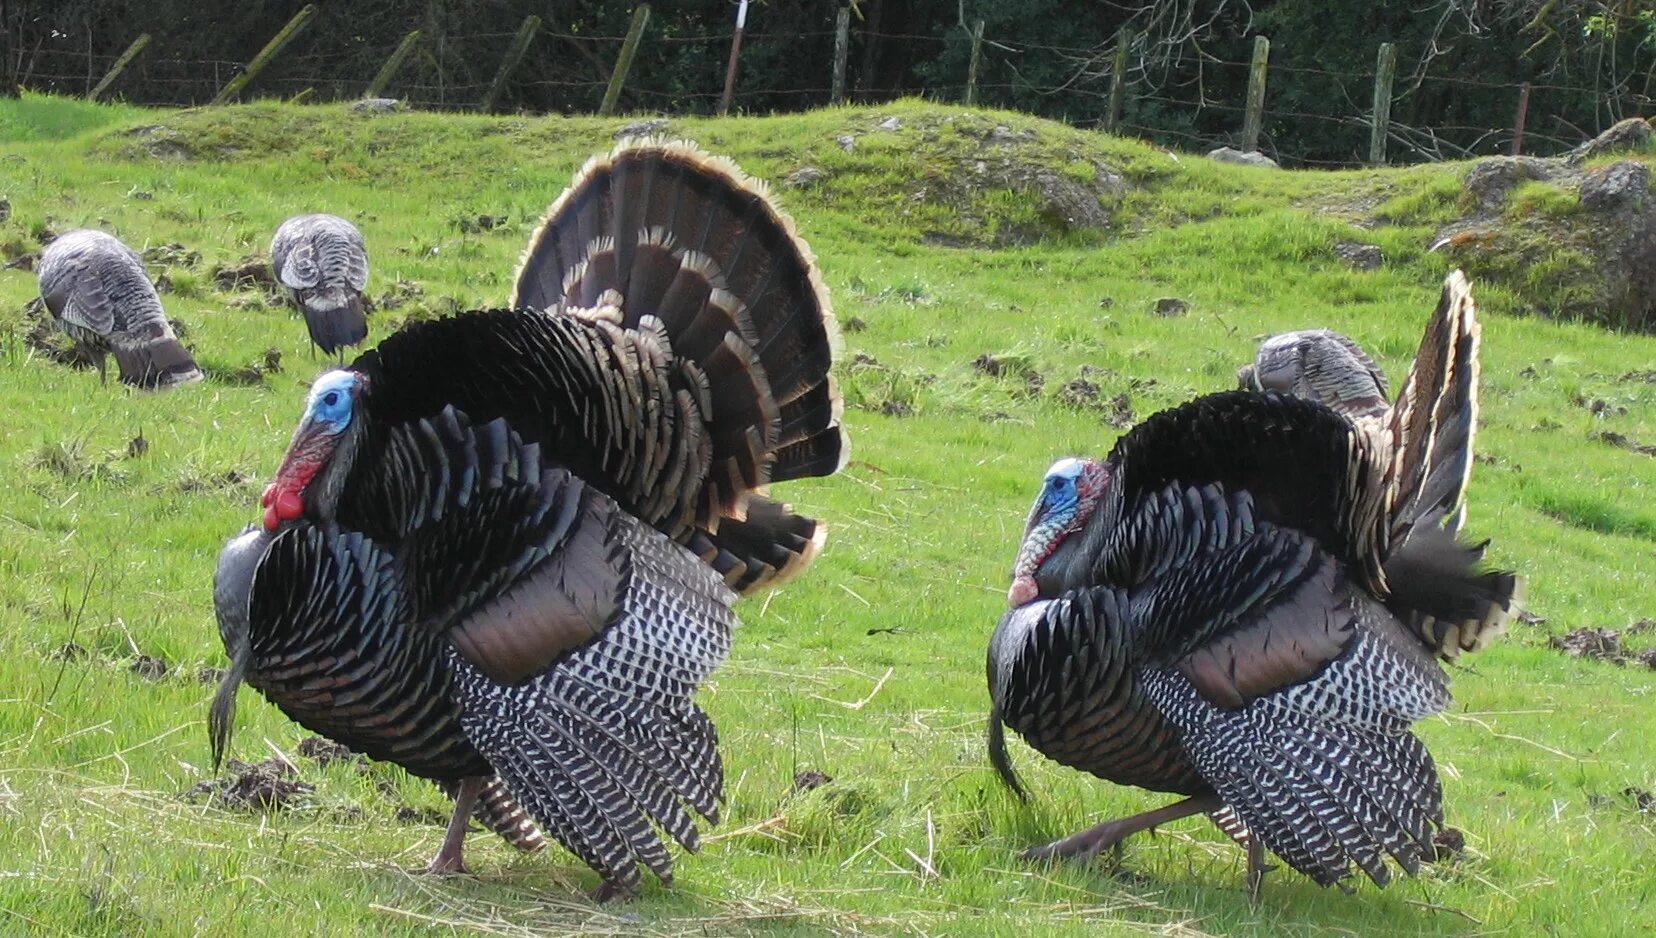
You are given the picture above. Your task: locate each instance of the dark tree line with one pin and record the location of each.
(1590, 62)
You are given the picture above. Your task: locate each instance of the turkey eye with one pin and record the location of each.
(331, 398)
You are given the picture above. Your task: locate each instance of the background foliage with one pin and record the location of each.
(1460, 61)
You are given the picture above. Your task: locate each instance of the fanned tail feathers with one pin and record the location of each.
(666, 239)
(1439, 586)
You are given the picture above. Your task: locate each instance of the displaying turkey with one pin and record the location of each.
(1243, 604)
(503, 546)
(97, 290)
(323, 262)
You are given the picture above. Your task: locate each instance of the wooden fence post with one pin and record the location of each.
(1118, 80)
(842, 47)
(235, 85)
(1518, 123)
(1385, 69)
(1255, 118)
(119, 66)
(972, 68)
(623, 62)
(735, 51)
(514, 55)
(382, 81)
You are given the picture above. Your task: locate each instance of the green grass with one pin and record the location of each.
(870, 668)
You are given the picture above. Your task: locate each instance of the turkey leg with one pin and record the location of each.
(448, 858)
(1089, 842)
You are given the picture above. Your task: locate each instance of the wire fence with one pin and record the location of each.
(1200, 109)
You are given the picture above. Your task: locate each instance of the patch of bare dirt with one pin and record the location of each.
(1606, 644)
(1447, 844)
(1617, 439)
(270, 785)
(1080, 394)
(324, 751)
(809, 780)
(251, 271)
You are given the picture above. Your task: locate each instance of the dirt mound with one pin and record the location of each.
(264, 786)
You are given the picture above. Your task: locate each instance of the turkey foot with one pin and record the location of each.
(1257, 868)
(1089, 842)
(449, 858)
(608, 891)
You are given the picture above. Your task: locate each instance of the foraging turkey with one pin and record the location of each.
(502, 546)
(323, 262)
(1318, 365)
(1242, 605)
(97, 290)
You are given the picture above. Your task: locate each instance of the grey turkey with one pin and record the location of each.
(502, 547)
(1319, 365)
(323, 261)
(96, 288)
(1244, 604)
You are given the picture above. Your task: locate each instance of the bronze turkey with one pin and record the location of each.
(1244, 604)
(502, 547)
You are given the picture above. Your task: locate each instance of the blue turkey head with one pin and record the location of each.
(1068, 496)
(329, 414)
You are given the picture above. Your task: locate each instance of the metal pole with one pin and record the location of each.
(735, 50)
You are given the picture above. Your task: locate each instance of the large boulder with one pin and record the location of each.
(1574, 243)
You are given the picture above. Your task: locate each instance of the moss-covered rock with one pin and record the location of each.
(1578, 241)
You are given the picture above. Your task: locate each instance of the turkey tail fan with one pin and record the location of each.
(154, 363)
(1441, 589)
(689, 238)
(767, 548)
(663, 237)
(335, 316)
(1436, 415)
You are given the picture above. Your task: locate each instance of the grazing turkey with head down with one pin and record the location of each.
(502, 547)
(1243, 604)
(323, 262)
(96, 288)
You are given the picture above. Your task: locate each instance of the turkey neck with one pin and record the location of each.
(328, 485)
(1074, 561)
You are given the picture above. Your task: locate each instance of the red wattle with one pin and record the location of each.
(281, 504)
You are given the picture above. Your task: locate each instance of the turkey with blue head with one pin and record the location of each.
(502, 548)
(1244, 604)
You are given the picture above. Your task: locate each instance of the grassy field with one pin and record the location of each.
(868, 670)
